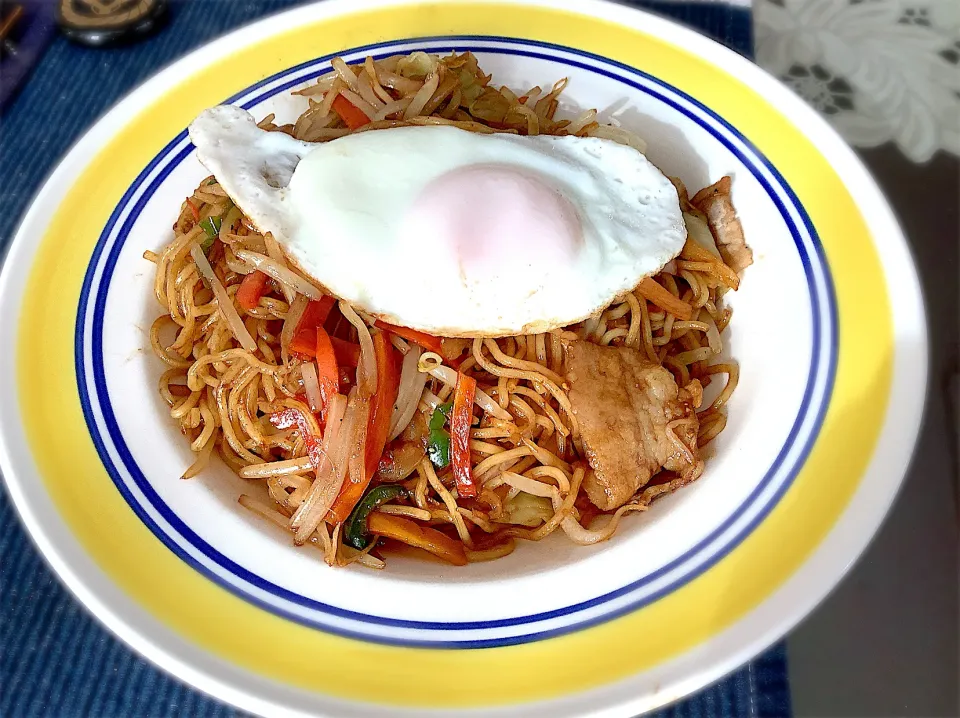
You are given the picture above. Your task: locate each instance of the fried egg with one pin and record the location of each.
(448, 231)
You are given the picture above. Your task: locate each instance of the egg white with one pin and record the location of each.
(338, 210)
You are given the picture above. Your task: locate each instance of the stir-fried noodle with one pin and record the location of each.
(238, 387)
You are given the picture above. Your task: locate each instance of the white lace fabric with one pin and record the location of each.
(879, 70)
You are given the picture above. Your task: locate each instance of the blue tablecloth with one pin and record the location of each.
(55, 659)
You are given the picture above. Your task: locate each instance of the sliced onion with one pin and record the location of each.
(670, 267)
(263, 510)
(545, 457)
(326, 105)
(403, 85)
(345, 72)
(350, 555)
(401, 345)
(412, 382)
(699, 232)
(410, 512)
(431, 400)
(290, 322)
(365, 90)
(340, 455)
(361, 104)
(430, 363)
(234, 264)
(340, 452)
(279, 272)
(423, 96)
(276, 254)
(312, 511)
(323, 84)
(299, 465)
(370, 69)
(232, 215)
(203, 457)
(585, 537)
(529, 486)
(357, 447)
(367, 368)
(406, 457)
(311, 386)
(584, 119)
(393, 107)
(224, 303)
(590, 326)
(365, 559)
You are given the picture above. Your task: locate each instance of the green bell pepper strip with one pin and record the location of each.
(355, 527)
(438, 442)
(210, 225)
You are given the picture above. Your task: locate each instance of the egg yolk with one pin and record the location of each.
(489, 214)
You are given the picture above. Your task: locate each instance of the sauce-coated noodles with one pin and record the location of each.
(232, 369)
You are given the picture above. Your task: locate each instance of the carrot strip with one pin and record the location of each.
(253, 286)
(427, 341)
(305, 335)
(351, 115)
(653, 292)
(328, 373)
(412, 533)
(460, 419)
(378, 426)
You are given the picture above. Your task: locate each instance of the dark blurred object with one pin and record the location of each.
(109, 22)
(8, 24)
(26, 27)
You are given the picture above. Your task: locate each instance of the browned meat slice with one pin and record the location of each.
(714, 202)
(629, 409)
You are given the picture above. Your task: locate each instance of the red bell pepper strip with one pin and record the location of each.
(305, 335)
(296, 419)
(253, 286)
(348, 353)
(378, 426)
(328, 373)
(460, 419)
(428, 342)
(352, 116)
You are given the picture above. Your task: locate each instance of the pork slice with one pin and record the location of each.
(624, 404)
(714, 202)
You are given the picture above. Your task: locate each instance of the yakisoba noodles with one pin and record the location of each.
(461, 445)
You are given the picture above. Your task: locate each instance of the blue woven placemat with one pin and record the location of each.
(57, 661)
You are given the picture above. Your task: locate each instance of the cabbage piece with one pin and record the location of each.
(490, 106)
(417, 65)
(527, 510)
(699, 231)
